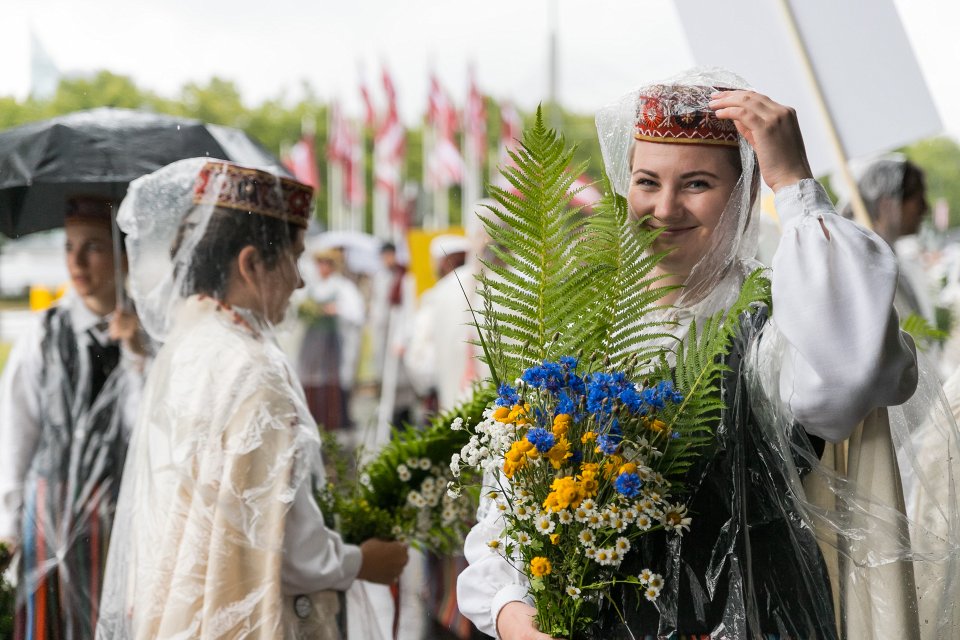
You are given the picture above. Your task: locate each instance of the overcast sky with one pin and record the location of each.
(606, 46)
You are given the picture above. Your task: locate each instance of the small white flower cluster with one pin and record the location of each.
(433, 495)
(652, 584)
(486, 447)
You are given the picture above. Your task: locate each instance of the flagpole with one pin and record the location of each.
(856, 201)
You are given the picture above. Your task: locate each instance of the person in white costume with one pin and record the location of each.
(68, 399)
(689, 153)
(330, 351)
(440, 356)
(218, 534)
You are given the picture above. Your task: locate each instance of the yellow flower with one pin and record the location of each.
(559, 452)
(612, 465)
(658, 426)
(561, 424)
(589, 486)
(518, 414)
(501, 413)
(588, 436)
(540, 567)
(566, 494)
(589, 469)
(554, 538)
(628, 467)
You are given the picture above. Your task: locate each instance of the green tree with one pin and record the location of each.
(940, 160)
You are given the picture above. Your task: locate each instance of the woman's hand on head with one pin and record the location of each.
(515, 622)
(773, 132)
(382, 560)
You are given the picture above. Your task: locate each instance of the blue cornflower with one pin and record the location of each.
(565, 405)
(675, 435)
(602, 390)
(631, 399)
(534, 376)
(569, 363)
(608, 443)
(628, 484)
(542, 439)
(508, 396)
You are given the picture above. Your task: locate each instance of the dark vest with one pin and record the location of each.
(748, 565)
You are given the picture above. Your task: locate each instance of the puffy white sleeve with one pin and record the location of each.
(314, 557)
(490, 581)
(19, 423)
(841, 351)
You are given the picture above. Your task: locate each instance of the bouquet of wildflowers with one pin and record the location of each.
(581, 475)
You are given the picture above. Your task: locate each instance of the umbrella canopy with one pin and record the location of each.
(98, 152)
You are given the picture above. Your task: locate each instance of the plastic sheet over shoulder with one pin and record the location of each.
(882, 506)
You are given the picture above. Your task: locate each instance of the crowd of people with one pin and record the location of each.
(159, 455)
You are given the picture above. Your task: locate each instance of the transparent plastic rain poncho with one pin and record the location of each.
(802, 545)
(224, 443)
(791, 537)
(70, 402)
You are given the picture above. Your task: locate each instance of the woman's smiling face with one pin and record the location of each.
(684, 188)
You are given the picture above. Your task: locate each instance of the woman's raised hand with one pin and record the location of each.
(515, 622)
(773, 132)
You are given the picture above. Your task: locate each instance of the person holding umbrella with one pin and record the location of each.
(68, 398)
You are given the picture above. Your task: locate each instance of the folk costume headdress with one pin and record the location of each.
(176, 216)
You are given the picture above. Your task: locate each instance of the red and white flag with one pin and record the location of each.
(511, 129)
(444, 163)
(475, 123)
(344, 147)
(389, 143)
(301, 161)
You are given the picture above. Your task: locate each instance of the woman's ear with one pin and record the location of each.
(247, 262)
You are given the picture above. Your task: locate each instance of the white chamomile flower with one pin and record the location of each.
(594, 521)
(573, 592)
(565, 517)
(425, 463)
(457, 424)
(603, 556)
(622, 545)
(412, 462)
(523, 538)
(651, 594)
(675, 517)
(619, 524)
(522, 512)
(586, 537)
(580, 515)
(656, 581)
(588, 505)
(590, 552)
(403, 473)
(645, 576)
(615, 557)
(545, 525)
(494, 545)
(630, 514)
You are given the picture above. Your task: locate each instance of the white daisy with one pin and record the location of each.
(622, 545)
(586, 537)
(403, 473)
(565, 517)
(573, 592)
(523, 538)
(545, 525)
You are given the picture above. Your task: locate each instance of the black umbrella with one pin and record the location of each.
(98, 152)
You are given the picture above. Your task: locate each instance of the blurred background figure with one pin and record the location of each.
(333, 311)
(68, 398)
(448, 252)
